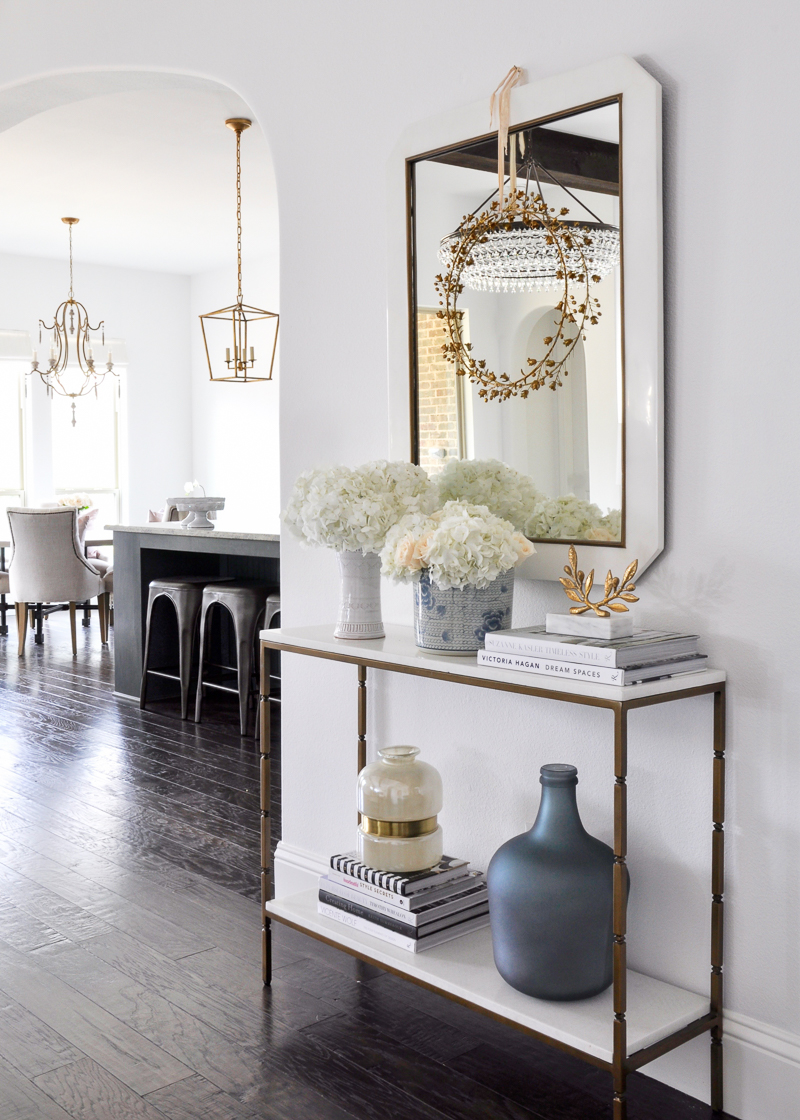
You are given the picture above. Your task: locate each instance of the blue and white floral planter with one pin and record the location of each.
(458, 619)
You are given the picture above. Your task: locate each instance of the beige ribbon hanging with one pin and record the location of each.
(502, 96)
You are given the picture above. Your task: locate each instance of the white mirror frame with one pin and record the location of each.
(642, 283)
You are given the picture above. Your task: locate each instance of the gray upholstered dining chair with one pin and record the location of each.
(48, 566)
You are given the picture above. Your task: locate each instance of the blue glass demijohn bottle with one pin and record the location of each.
(550, 900)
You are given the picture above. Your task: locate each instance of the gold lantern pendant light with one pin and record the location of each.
(71, 346)
(243, 354)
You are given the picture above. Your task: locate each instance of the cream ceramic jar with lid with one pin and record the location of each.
(399, 799)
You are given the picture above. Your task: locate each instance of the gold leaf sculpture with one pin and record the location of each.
(577, 587)
(576, 310)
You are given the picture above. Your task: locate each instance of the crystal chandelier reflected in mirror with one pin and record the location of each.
(522, 258)
(240, 328)
(71, 370)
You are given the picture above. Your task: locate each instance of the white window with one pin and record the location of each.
(86, 454)
(14, 346)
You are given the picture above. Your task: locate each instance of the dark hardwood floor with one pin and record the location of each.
(129, 942)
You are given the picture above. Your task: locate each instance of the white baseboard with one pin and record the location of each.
(773, 1041)
(762, 1062)
(762, 1069)
(296, 869)
(125, 696)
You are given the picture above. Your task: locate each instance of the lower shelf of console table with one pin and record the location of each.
(638, 1019)
(464, 970)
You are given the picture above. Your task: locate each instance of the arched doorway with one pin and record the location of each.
(144, 159)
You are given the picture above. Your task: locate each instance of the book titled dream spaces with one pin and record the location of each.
(594, 674)
(401, 883)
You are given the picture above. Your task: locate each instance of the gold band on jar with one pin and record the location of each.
(404, 830)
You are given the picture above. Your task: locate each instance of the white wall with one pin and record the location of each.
(333, 86)
(150, 310)
(235, 427)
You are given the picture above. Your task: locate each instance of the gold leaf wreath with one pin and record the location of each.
(577, 588)
(576, 311)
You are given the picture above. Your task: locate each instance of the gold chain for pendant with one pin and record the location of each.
(238, 211)
(70, 263)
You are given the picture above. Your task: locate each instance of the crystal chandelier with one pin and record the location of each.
(518, 258)
(71, 370)
(235, 326)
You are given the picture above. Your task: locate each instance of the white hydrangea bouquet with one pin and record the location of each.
(351, 510)
(460, 560)
(459, 545)
(515, 497)
(571, 518)
(507, 493)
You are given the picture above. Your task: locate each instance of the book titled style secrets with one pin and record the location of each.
(411, 902)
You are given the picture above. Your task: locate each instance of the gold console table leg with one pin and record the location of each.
(717, 895)
(266, 819)
(362, 717)
(620, 962)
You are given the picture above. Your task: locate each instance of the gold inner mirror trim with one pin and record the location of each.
(404, 830)
(414, 305)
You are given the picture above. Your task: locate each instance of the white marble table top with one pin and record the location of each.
(399, 650)
(174, 528)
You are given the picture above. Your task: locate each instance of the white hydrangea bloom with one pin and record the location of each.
(460, 545)
(571, 518)
(487, 482)
(609, 528)
(351, 509)
(401, 556)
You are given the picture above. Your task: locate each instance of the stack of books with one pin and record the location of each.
(414, 910)
(647, 655)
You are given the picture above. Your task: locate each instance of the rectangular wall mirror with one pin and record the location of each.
(569, 441)
(588, 144)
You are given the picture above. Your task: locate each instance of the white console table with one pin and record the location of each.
(638, 1019)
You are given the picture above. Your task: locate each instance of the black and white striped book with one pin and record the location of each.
(400, 883)
(410, 902)
(377, 910)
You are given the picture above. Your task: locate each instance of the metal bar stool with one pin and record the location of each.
(186, 595)
(246, 602)
(272, 612)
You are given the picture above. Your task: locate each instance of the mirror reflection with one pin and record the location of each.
(566, 438)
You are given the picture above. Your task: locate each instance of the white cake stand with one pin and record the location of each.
(198, 510)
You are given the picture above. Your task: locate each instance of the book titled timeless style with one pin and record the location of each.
(401, 883)
(618, 653)
(376, 908)
(593, 674)
(401, 940)
(443, 921)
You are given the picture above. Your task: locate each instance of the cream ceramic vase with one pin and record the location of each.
(399, 798)
(360, 596)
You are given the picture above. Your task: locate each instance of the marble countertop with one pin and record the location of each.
(173, 528)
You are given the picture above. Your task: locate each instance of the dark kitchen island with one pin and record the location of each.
(145, 552)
